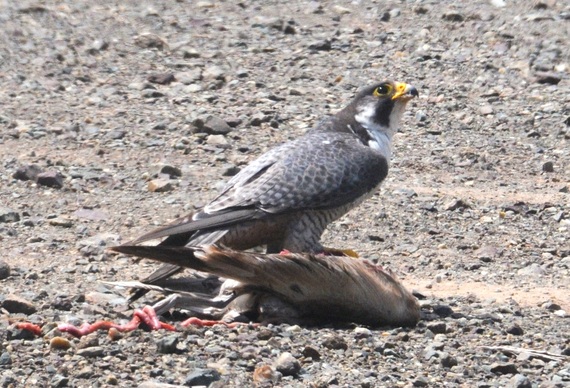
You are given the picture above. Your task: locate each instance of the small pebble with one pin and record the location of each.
(202, 377)
(335, 343)
(168, 345)
(265, 374)
(160, 186)
(93, 351)
(548, 167)
(8, 215)
(59, 343)
(114, 334)
(287, 365)
(519, 381)
(4, 270)
(51, 179)
(17, 305)
(504, 368)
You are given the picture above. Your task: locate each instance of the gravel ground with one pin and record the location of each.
(117, 117)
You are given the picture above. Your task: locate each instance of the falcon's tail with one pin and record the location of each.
(205, 259)
(179, 256)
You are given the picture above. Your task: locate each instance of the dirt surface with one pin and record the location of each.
(474, 215)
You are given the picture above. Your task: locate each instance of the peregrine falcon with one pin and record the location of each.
(281, 288)
(286, 198)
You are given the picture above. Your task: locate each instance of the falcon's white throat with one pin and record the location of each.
(380, 135)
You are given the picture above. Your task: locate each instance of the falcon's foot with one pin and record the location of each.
(147, 316)
(340, 252)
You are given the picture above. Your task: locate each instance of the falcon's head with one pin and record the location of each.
(376, 111)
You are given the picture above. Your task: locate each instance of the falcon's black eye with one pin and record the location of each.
(382, 90)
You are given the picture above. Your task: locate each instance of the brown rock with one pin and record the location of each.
(17, 305)
(59, 343)
(161, 79)
(160, 185)
(51, 179)
(27, 173)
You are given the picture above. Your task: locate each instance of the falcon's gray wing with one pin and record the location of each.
(317, 171)
(321, 170)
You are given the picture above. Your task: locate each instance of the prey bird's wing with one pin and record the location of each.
(329, 287)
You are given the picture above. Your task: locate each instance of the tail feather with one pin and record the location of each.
(177, 256)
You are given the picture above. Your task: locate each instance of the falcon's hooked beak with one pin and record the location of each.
(404, 92)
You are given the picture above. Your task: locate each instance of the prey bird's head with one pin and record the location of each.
(375, 113)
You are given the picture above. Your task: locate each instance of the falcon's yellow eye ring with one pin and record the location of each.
(382, 90)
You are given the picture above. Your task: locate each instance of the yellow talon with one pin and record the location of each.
(340, 252)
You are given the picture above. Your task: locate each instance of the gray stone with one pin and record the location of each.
(532, 269)
(519, 381)
(311, 352)
(188, 52)
(218, 141)
(395, 12)
(212, 125)
(362, 332)
(202, 377)
(214, 73)
(498, 3)
(486, 110)
(13, 333)
(421, 116)
(148, 40)
(548, 167)
(430, 352)
(4, 270)
(84, 373)
(189, 77)
(99, 45)
(486, 253)
(321, 45)
(166, 169)
(59, 381)
(548, 78)
(150, 93)
(551, 306)
(27, 173)
(161, 79)
(287, 365)
(504, 368)
(420, 381)
(51, 179)
(259, 119)
(515, 330)
(168, 344)
(437, 327)
(453, 17)
(335, 343)
(455, 204)
(156, 384)
(96, 244)
(8, 215)
(18, 305)
(93, 351)
(442, 310)
(448, 361)
(160, 186)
